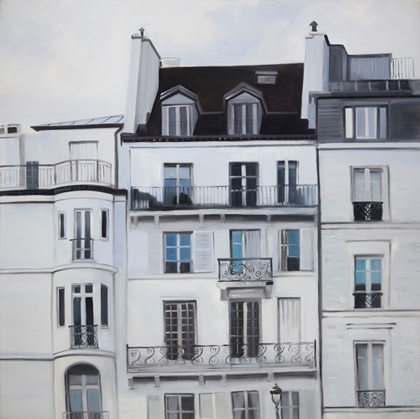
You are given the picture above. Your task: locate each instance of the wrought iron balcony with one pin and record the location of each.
(171, 198)
(34, 175)
(367, 299)
(270, 355)
(84, 336)
(367, 211)
(371, 398)
(82, 249)
(85, 415)
(246, 269)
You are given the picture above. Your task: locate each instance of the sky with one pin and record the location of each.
(69, 59)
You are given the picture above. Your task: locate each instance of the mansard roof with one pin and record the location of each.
(211, 85)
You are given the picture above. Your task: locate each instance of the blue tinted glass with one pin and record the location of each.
(185, 239)
(171, 253)
(185, 254)
(293, 236)
(360, 264)
(376, 277)
(93, 400)
(293, 250)
(170, 239)
(359, 277)
(375, 264)
(236, 237)
(237, 251)
(76, 403)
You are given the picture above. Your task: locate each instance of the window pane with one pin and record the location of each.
(238, 400)
(362, 366)
(89, 310)
(170, 171)
(187, 403)
(76, 289)
(89, 288)
(61, 307)
(172, 403)
(382, 123)
(349, 122)
(375, 185)
(378, 367)
(170, 239)
(172, 120)
(184, 120)
(185, 254)
(171, 254)
(93, 400)
(253, 399)
(185, 239)
(371, 122)
(77, 319)
(76, 402)
(184, 172)
(62, 226)
(360, 123)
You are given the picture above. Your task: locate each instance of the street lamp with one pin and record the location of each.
(276, 393)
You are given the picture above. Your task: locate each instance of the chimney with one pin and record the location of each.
(316, 70)
(143, 82)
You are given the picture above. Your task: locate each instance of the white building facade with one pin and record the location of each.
(368, 135)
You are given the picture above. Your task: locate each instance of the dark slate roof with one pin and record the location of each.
(211, 84)
(102, 122)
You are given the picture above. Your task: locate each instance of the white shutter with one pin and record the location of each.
(206, 406)
(306, 250)
(155, 408)
(252, 243)
(203, 251)
(155, 252)
(213, 406)
(289, 320)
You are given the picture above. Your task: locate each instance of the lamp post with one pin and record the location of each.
(276, 394)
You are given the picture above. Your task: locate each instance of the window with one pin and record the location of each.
(104, 224)
(61, 225)
(370, 374)
(179, 406)
(244, 328)
(245, 118)
(287, 182)
(290, 405)
(246, 405)
(296, 250)
(83, 391)
(367, 282)
(83, 330)
(177, 120)
(290, 249)
(213, 406)
(61, 308)
(243, 184)
(177, 184)
(178, 253)
(180, 326)
(104, 305)
(367, 194)
(289, 321)
(32, 174)
(244, 244)
(366, 123)
(83, 243)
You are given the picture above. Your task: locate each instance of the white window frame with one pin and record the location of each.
(178, 251)
(166, 120)
(246, 407)
(352, 121)
(180, 412)
(289, 411)
(82, 295)
(369, 344)
(368, 276)
(83, 249)
(244, 111)
(367, 183)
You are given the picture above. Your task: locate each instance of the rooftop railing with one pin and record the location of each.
(402, 68)
(170, 198)
(34, 175)
(272, 355)
(245, 269)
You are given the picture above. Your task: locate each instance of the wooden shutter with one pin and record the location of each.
(203, 251)
(282, 240)
(155, 408)
(306, 250)
(155, 252)
(213, 406)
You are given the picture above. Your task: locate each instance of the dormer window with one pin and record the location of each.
(244, 112)
(180, 110)
(176, 120)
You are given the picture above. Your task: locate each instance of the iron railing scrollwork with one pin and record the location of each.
(367, 299)
(221, 356)
(367, 211)
(245, 269)
(84, 336)
(371, 398)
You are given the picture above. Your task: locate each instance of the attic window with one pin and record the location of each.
(266, 77)
(244, 115)
(12, 130)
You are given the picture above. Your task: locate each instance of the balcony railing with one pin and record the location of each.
(371, 398)
(85, 415)
(246, 269)
(82, 249)
(84, 336)
(169, 198)
(275, 355)
(367, 299)
(372, 86)
(34, 175)
(367, 211)
(402, 68)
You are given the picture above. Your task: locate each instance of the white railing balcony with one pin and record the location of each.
(40, 176)
(190, 197)
(402, 68)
